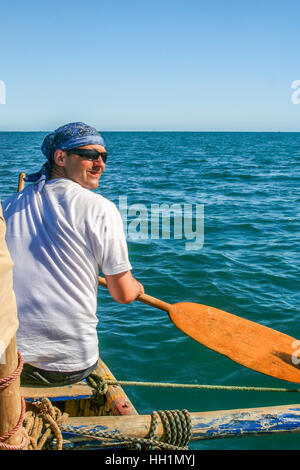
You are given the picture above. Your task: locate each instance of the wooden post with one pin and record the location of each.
(11, 403)
(10, 397)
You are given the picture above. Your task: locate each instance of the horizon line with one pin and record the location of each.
(149, 130)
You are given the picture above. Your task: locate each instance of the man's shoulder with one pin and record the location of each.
(93, 198)
(85, 199)
(68, 187)
(14, 198)
(92, 207)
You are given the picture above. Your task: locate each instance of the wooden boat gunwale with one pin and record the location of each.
(122, 418)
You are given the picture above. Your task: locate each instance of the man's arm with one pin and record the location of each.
(123, 287)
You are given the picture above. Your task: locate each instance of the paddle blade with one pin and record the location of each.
(253, 345)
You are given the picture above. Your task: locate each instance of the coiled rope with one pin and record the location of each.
(42, 425)
(177, 432)
(177, 427)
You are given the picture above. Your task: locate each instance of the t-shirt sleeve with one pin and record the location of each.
(112, 246)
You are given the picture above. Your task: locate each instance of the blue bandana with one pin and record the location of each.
(67, 137)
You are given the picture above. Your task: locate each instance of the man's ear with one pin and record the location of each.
(60, 157)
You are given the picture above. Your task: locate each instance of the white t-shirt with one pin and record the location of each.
(58, 239)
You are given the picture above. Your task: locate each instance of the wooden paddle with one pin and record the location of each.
(253, 345)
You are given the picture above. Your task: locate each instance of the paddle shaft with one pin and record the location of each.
(21, 183)
(145, 298)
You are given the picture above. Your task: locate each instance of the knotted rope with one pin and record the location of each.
(100, 386)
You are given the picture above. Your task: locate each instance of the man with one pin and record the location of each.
(59, 235)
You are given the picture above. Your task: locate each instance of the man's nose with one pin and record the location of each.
(99, 160)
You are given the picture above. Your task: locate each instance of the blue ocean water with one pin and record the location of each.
(247, 184)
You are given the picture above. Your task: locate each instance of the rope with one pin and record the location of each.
(98, 383)
(176, 423)
(14, 430)
(4, 383)
(42, 425)
(177, 427)
(177, 430)
(37, 427)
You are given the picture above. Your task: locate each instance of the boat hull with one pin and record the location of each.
(78, 401)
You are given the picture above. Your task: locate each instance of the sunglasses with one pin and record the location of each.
(89, 154)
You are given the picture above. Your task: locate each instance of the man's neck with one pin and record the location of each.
(57, 172)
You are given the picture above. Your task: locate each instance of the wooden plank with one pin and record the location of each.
(68, 392)
(243, 422)
(205, 425)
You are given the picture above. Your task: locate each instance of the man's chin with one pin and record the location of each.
(92, 184)
(88, 183)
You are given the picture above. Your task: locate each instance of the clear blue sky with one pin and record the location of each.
(150, 65)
